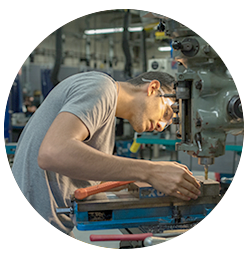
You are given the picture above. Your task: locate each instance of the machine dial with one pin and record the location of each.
(235, 108)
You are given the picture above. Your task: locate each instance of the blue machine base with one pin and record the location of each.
(130, 218)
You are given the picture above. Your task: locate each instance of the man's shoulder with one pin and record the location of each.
(101, 81)
(98, 75)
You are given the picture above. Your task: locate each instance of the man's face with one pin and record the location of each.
(154, 114)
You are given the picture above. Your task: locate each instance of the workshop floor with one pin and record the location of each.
(84, 235)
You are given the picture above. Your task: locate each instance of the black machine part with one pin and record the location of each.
(235, 107)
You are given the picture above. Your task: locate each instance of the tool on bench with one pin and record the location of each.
(129, 237)
(83, 193)
(148, 239)
(133, 237)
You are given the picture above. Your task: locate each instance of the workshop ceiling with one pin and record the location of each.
(107, 19)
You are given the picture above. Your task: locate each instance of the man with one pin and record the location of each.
(68, 142)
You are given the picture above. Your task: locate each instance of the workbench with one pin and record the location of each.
(142, 209)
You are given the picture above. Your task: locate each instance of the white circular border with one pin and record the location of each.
(222, 234)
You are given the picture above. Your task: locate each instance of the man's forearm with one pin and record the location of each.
(80, 161)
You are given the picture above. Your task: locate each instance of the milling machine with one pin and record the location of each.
(207, 106)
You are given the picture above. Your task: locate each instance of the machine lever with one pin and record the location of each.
(169, 95)
(83, 193)
(66, 211)
(198, 141)
(199, 145)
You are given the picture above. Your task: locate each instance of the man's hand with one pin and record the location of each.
(174, 179)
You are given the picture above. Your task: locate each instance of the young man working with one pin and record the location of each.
(68, 142)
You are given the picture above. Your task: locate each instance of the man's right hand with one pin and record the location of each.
(174, 179)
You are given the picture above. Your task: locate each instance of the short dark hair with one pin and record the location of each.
(164, 78)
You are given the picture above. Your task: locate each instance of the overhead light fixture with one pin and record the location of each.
(103, 31)
(165, 48)
(112, 30)
(135, 29)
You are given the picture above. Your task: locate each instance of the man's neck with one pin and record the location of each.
(125, 100)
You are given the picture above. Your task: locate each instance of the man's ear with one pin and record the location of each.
(153, 87)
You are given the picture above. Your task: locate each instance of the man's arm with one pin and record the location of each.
(63, 151)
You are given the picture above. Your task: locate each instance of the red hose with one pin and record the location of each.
(129, 237)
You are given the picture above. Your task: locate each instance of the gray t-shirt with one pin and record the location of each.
(92, 97)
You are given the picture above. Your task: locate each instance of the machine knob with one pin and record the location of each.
(177, 45)
(178, 134)
(189, 46)
(175, 107)
(151, 241)
(186, 46)
(235, 107)
(175, 120)
(198, 85)
(161, 26)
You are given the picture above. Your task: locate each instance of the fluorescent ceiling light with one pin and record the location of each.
(112, 30)
(164, 48)
(135, 29)
(103, 31)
